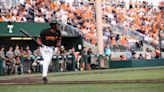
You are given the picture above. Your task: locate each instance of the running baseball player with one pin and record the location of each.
(48, 40)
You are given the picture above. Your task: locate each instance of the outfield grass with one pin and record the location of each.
(132, 87)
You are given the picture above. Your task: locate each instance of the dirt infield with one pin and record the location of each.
(32, 81)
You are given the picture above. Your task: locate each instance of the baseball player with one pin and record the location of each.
(48, 40)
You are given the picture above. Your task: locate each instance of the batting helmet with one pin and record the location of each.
(54, 22)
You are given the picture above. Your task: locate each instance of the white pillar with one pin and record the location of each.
(99, 27)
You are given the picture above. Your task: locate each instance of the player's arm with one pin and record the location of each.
(58, 44)
(38, 40)
(3, 57)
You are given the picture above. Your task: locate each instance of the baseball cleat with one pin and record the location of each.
(45, 80)
(35, 63)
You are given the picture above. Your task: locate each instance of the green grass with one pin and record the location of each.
(127, 75)
(137, 87)
(109, 74)
(145, 73)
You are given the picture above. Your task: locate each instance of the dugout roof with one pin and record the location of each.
(32, 28)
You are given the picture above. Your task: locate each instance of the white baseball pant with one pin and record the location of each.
(47, 53)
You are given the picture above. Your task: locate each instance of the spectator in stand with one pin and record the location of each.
(3, 59)
(2, 54)
(1, 18)
(122, 57)
(39, 18)
(77, 57)
(27, 61)
(22, 52)
(11, 61)
(157, 52)
(62, 61)
(83, 54)
(89, 53)
(140, 56)
(17, 51)
(148, 54)
(107, 51)
(69, 65)
(113, 44)
(19, 65)
(133, 54)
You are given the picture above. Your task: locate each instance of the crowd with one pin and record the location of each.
(18, 60)
(139, 16)
(148, 54)
(142, 17)
(136, 16)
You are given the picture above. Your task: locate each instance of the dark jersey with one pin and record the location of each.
(49, 38)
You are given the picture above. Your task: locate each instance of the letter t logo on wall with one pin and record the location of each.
(10, 27)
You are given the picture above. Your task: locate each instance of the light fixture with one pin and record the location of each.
(16, 38)
(26, 38)
(21, 38)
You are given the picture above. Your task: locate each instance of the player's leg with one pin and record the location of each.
(45, 70)
(38, 60)
(47, 53)
(47, 57)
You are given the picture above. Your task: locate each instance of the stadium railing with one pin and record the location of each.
(1, 67)
(102, 61)
(75, 31)
(99, 60)
(72, 64)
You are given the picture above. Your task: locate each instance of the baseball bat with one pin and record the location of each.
(27, 34)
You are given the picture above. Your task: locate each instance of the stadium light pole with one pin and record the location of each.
(99, 27)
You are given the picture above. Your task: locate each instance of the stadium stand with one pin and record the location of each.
(127, 27)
